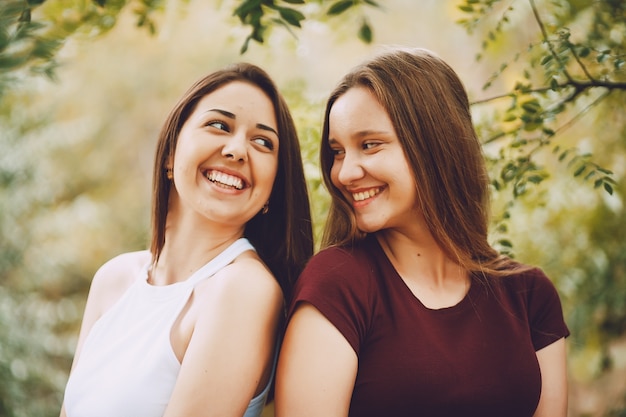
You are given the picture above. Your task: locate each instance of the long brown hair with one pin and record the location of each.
(429, 109)
(283, 236)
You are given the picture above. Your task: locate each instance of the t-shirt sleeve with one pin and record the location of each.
(337, 284)
(545, 312)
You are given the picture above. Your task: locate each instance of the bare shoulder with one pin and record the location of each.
(246, 280)
(114, 277)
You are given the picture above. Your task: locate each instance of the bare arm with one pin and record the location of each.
(316, 370)
(231, 351)
(553, 365)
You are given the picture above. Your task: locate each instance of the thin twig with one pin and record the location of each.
(544, 34)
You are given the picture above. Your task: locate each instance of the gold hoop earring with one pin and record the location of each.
(169, 173)
(266, 207)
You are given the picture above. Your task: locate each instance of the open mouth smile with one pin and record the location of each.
(225, 180)
(364, 195)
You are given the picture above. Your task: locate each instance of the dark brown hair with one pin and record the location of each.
(429, 109)
(283, 237)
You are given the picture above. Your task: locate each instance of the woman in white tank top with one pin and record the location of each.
(191, 326)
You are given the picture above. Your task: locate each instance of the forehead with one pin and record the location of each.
(241, 99)
(358, 110)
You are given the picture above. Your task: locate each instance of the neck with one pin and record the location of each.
(187, 249)
(436, 280)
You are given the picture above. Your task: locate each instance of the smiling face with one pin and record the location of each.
(226, 156)
(370, 167)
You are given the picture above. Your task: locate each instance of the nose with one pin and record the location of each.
(236, 147)
(348, 169)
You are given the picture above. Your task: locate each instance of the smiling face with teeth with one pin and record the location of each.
(370, 167)
(226, 156)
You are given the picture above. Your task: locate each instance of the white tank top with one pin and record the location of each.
(127, 367)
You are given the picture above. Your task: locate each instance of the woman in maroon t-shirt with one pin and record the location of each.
(408, 311)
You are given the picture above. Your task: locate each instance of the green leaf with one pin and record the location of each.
(246, 8)
(608, 188)
(365, 32)
(589, 175)
(291, 16)
(584, 51)
(25, 16)
(100, 3)
(554, 84)
(340, 7)
(244, 47)
(509, 172)
(506, 243)
(605, 171)
(466, 8)
(295, 1)
(531, 106)
(580, 170)
(372, 3)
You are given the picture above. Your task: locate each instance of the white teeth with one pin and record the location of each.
(364, 195)
(225, 179)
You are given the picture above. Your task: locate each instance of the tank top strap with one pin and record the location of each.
(220, 261)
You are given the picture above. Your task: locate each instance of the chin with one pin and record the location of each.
(368, 227)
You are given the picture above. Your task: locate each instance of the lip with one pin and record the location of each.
(232, 175)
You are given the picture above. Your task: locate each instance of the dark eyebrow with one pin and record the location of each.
(363, 134)
(225, 113)
(232, 116)
(265, 127)
(370, 132)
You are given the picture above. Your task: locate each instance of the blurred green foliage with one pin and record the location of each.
(551, 117)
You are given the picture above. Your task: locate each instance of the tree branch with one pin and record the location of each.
(544, 34)
(579, 87)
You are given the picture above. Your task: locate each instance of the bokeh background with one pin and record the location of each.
(76, 155)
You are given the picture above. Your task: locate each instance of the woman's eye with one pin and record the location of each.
(370, 145)
(337, 152)
(218, 124)
(264, 142)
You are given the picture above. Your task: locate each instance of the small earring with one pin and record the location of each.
(169, 174)
(266, 207)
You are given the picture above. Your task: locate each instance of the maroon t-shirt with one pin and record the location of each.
(476, 358)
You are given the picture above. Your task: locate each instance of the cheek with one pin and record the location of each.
(268, 178)
(334, 174)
